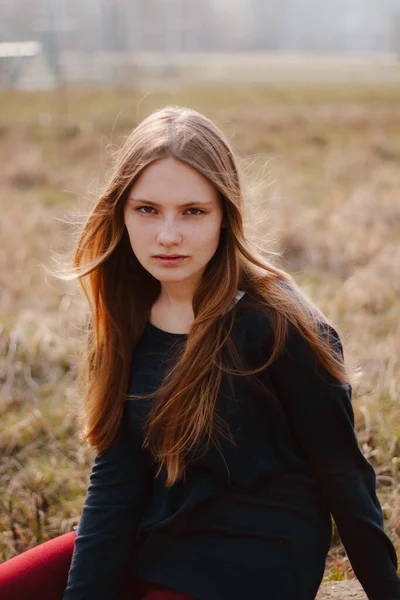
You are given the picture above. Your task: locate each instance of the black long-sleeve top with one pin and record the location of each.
(250, 519)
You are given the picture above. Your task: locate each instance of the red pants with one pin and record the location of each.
(45, 567)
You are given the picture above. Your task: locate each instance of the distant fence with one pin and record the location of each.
(142, 68)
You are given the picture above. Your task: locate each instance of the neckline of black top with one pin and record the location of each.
(164, 335)
(169, 335)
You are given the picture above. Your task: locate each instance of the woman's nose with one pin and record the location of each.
(169, 232)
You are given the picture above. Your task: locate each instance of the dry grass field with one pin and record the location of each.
(326, 162)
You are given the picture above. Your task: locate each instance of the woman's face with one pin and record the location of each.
(173, 210)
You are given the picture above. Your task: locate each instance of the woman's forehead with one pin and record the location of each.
(169, 179)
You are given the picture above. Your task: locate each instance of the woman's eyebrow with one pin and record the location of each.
(186, 204)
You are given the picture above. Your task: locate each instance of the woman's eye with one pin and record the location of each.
(140, 209)
(198, 209)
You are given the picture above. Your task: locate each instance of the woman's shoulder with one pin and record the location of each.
(256, 319)
(252, 317)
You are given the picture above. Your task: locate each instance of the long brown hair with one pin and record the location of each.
(182, 413)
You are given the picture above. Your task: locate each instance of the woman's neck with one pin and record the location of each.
(177, 320)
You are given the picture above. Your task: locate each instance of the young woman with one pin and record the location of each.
(218, 402)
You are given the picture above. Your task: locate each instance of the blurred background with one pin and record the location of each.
(309, 95)
(126, 41)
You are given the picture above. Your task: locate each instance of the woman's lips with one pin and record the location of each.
(170, 261)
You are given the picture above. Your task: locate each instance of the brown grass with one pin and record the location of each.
(327, 166)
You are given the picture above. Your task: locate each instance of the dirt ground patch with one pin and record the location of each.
(341, 590)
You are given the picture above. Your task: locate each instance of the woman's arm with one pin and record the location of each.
(322, 421)
(105, 539)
